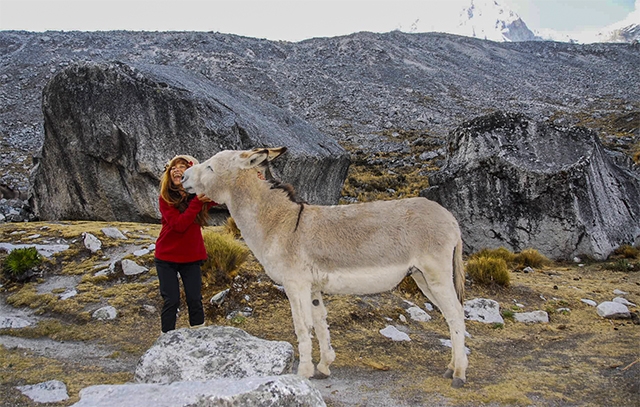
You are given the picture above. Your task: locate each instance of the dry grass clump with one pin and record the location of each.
(492, 266)
(225, 255)
(500, 253)
(627, 252)
(531, 258)
(231, 228)
(488, 271)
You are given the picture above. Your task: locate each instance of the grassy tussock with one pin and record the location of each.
(488, 271)
(627, 252)
(20, 261)
(492, 266)
(499, 253)
(231, 228)
(531, 258)
(225, 256)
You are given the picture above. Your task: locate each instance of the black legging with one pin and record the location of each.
(170, 291)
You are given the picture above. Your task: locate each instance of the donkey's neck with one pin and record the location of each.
(263, 214)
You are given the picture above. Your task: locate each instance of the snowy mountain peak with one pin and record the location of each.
(490, 20)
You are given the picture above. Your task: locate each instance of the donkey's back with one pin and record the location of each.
(379, 241)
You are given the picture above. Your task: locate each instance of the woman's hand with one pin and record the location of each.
(203, 198)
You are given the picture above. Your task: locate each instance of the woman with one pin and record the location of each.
(180, 248)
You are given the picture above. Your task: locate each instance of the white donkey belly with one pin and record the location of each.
(370, 280)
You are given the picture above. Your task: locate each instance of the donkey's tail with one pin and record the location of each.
(458, 271)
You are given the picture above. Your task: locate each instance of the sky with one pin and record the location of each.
(294, 20)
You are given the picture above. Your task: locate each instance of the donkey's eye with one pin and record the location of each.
(209, 168)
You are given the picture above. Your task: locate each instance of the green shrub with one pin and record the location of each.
(488, 270)
(225, 255)
(530, 258)
(20, 262)
(620, 265)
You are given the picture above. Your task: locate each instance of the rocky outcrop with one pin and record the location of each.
(517, 183)
(110, 128)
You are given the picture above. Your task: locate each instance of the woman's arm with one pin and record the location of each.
(177, 221)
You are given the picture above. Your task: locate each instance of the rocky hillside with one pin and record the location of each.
(358, 89)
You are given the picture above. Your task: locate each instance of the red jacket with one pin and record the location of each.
(180, 239)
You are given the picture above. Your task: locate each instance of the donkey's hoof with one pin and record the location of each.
(306, 370)
(457, 383)
(448, 374)
(320, 376)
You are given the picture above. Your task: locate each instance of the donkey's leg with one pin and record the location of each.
(422, 285)
(299, 295)
(327, 354)
(439, 279)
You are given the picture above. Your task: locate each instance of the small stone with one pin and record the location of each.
(613, 310)
(394, 334)
(621, 300)
(52, 391)
(105, 313)
(113, 233)
(91, 242)
(131, 268)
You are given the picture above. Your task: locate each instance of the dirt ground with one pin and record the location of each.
(577, 359)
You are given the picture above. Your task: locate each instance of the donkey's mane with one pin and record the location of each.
(277, 184)
(288, 188)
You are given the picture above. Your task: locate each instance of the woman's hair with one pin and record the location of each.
(174, 196)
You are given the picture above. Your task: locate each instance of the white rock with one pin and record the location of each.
(402, 318)
(52, 391)
(251, 391)
(149, 308)
(619, 292)
(131, 268)
(104, 313)
(13, 322)
(428, 306)
(589, 302)
(393, 333)
(113, 233)
(68, 294)
(212, 352)
(622, 300)
(46, 250)
(532, 317)
(483, 310)
(219, 297)
(418, 314)
(141, 252)
(91, 242)
(613, 310)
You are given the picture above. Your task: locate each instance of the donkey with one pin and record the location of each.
(361, 248)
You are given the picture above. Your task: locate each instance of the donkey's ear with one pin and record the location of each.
(253, 157)
(276, 152)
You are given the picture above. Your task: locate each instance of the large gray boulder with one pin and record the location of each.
(270, 391)
(213, 352)
(111, 127)
(516, 183)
